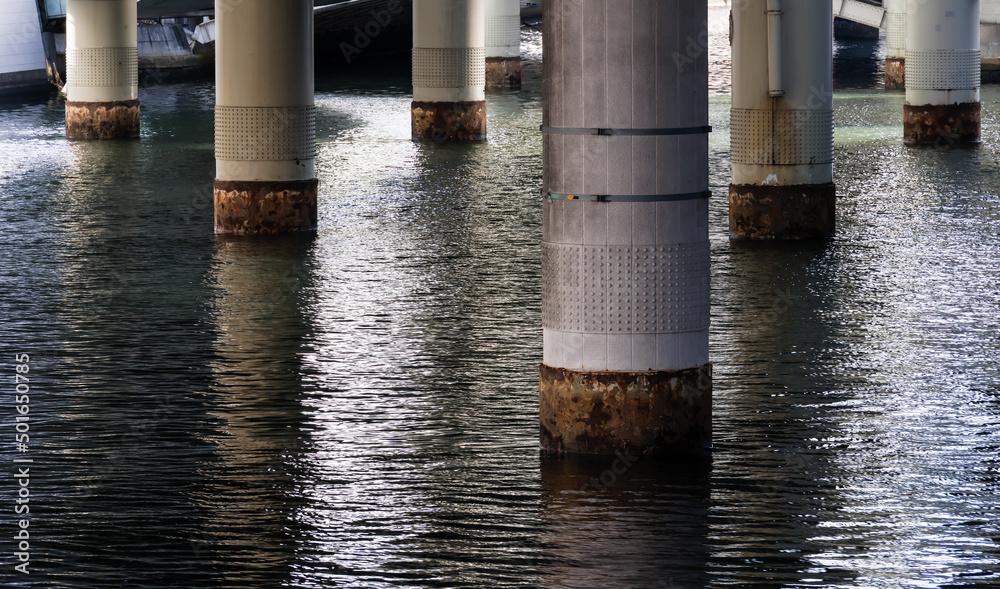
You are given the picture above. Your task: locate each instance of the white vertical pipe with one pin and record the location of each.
(774, 49)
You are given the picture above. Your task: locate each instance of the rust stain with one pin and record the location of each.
(102, 120)
(895, 73)
(782, 212)
(265, 208)
(637, 412)
(444, 121)
(942, 125)
(503, 73)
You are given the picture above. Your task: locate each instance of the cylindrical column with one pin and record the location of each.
(943, 73)
(895, 44)
(265, 117)
(449, 80)
(102, 69)
(782, 146)
(503, 44)
(625, 253)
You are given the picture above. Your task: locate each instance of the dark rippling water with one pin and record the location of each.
(359, 408)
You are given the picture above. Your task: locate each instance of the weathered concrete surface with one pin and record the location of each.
(895, 73)
(265, 208)
(102, 120)
(640, 413)
(443, 121)
(948, 124)
(782, 212)
(503, 72)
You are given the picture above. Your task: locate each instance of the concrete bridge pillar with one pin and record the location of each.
(102, 69)
(782, 121)
(503, 44)
(449, 80)
(625, 253)
(265, 117)
(895, 44)
(943, 73)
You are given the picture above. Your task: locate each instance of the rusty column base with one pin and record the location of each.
(782, 212)
(265, 208)
(895, 73)
(946, 124)
(636, 412)
(443, 121)
(102, 120)
(503, 73)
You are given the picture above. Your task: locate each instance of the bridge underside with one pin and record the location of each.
(153, 9)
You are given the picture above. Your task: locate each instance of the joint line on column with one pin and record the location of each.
(626, 132)
(628, 197)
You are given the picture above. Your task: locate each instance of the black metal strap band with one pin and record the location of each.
(625, 132)
(629, 197)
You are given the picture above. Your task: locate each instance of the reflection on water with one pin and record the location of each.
(623, 522)
(359, 408)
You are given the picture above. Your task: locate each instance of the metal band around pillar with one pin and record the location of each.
(629, 197)
(625, 132)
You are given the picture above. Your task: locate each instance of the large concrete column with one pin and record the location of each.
(449, 80)
(625, 254)
(943, 73)
(265, 117)
(782, 121)
(503, 44)
(102, 69)
(895, 44)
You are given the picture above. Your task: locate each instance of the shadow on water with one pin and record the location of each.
(858, 64)
(123, 397)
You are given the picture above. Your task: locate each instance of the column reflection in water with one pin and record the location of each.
(778, 426)
(256, 399)
(625, 522)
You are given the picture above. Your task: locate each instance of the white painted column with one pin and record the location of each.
(782, 141)
(102, 69)
(449, 80)
(503, 44)
(943, 73)
(895, 44)
(265, 117)
(625, 252)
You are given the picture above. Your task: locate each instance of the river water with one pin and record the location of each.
(359, 408)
